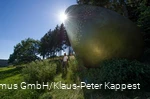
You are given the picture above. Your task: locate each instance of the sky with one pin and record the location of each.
(21, 19)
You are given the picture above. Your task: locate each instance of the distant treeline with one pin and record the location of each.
(29, 49)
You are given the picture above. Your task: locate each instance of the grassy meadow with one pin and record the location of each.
(50, 71)
(16, 75)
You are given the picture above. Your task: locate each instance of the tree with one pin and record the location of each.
(50, 43)
(53, 41)
(120, 6)
(143, 21)
(57, 40)
(25, 51)
(94, 2)
(43, 48)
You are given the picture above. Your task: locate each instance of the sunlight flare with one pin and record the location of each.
(62, 17)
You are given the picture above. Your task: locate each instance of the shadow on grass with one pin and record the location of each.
(9, 73)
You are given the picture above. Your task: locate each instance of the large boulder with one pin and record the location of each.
(97, 34)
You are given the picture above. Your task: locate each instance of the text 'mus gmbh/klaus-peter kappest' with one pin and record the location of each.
(60, 85)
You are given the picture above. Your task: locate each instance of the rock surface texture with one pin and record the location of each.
(97, 34)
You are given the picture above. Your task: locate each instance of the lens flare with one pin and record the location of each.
(62, 17)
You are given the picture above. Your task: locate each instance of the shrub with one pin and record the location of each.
(120, 71)
(125, 71)
(58, 62)
(71, 71)
(25, 94)
(18, 94)
(46, 95)
(41, 71)
(146, 56)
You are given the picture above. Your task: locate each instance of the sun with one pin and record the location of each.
(62, 17)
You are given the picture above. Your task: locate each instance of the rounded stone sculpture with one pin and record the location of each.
(97, 34)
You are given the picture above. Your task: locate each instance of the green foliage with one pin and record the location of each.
(39, 71)
(9, 72)
(114, 71)
(46, 95)
(18, 94)
(119, 71)
(25, 51)
(26, 94)
(53, 41)
(144, 17)
(93, 2)
(119, 6)
(12, 75)
(146, 56)
(72, 71)
(67, 94)
(143, 22)
(124, 71)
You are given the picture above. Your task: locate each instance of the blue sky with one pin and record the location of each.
(20, 19)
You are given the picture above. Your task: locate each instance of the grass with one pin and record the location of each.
(6, 72)
(66, 93)
(6, 68)
(10, 75)
(13, 75)
(12, 79)
(68, 79)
